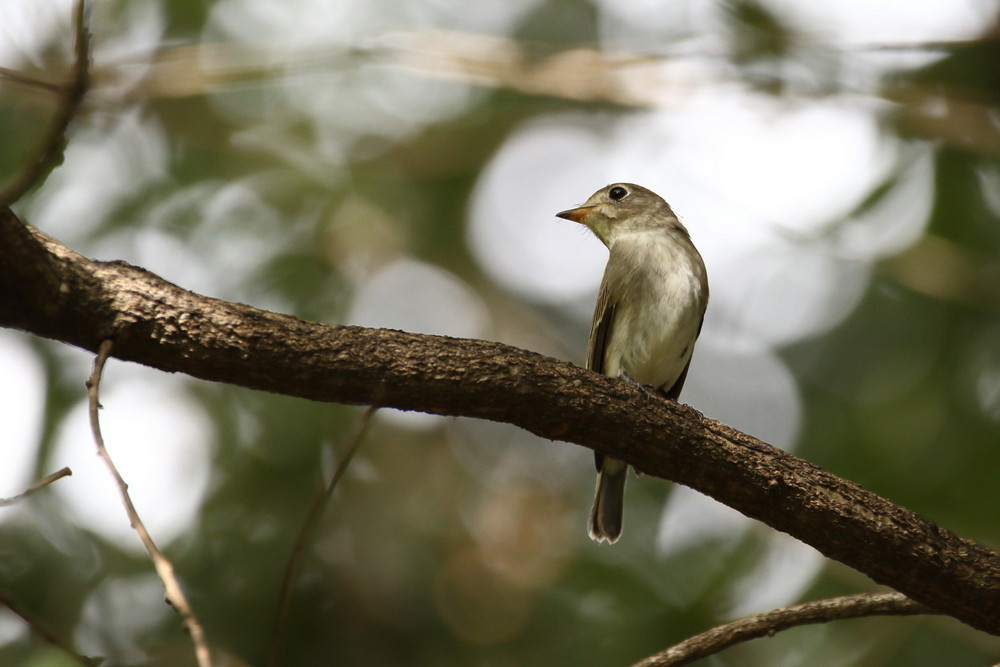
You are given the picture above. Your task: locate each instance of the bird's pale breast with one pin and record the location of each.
(659, 316)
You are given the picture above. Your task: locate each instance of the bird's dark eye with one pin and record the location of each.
(617, 193)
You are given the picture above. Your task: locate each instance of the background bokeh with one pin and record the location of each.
(398, 163)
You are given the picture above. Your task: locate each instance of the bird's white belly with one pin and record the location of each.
(655, 334)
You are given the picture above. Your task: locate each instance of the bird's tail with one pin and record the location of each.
(609, 499)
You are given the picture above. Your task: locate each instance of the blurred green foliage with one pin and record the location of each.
(450, 543)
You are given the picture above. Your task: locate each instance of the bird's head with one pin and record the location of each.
(621, 208)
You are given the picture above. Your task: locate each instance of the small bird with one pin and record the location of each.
(649, 313)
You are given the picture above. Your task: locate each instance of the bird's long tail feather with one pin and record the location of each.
(609, 499)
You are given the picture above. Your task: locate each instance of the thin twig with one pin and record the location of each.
(164, 568)
(302, 540)
(30, 81)
(767, 624)
(46, 633)
(54, 144)
(40, 484)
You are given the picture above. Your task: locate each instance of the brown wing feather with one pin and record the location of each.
(674, 391)
(600, 329)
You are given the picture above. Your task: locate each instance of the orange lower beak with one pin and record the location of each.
(576, 214)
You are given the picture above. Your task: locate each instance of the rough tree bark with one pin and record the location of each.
(49, 290)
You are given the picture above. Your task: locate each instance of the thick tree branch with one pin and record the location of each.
(51, 291)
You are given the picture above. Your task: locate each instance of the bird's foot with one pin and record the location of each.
(647, 389)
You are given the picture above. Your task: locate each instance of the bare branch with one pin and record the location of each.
(40, 484)
(767, 624)
(54, 143)
(30, 81)
(580, 73)
(302, 540)
(163, 326)
(46, 633)
(164, 568)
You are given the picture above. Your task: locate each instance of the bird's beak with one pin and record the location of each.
(576, 214)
